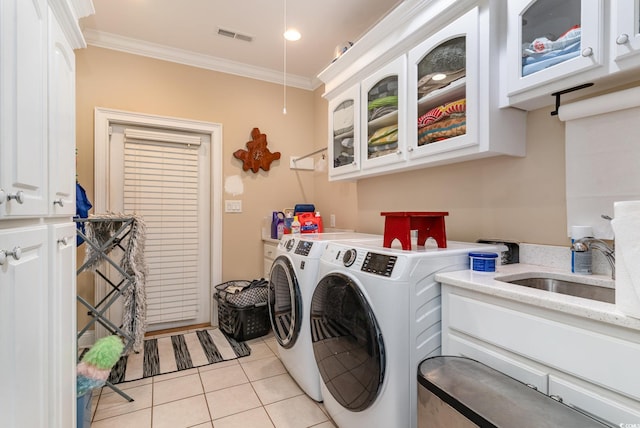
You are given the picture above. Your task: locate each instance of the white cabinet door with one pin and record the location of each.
(23, 328)
(625, 34)
(344, 133)
(62, 356)
(584, 397)
(498, 359)
(552, 46)
(62, 133)
(269, 250)
(383, 136)
(23, 108)
(443, 90)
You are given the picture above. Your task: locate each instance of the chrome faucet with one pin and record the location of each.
(584, 244)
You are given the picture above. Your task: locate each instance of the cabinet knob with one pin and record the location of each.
(63, 241)
(18, 196)
(398, 152)
(622, 39)
(3, 196)
(587, 52)
(410, 149)
(354, 163)
(556, 397)
(16, 253)
(532, 386)
(59, 202)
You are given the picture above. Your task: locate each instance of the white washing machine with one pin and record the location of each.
(375, 315)
(292, 279)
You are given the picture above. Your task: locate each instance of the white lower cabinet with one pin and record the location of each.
(269, 249)
(24, 356)
(576, 361)
(593, 401)
(62, 324)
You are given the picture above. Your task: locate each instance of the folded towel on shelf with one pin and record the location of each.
(343, 118)
(382, 147)
(442, 112)
(347, 142)
(543, 52)
(388, 134)
(454, 126)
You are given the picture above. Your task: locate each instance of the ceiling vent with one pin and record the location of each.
(234, 35)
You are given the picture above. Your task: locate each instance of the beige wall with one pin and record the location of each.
(521, 199)
(116, 80)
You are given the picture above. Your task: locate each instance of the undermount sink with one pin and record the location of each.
(571, 288)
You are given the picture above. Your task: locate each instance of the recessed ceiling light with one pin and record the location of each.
(292, 35)
(439, 76)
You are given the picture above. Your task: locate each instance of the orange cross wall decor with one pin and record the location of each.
(257, 155)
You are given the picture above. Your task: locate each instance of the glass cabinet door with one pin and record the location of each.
(626, 33)
(443, 73)
(383, 110)
(549, 39)
(344, 132)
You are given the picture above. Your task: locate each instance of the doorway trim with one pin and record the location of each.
(103, 119)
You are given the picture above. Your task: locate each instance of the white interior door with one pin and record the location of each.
(164, 177)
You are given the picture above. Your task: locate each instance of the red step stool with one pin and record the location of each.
(398, 225)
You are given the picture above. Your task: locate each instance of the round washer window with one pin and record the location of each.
(347, 342)
(285, 306)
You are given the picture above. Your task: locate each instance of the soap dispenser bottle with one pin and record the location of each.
(295, 226)
(581, 261)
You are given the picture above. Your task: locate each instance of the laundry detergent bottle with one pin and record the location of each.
(277, 224)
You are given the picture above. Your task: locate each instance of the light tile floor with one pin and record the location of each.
(251, 392)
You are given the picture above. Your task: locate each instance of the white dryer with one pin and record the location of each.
(292, 279)
(375, 315)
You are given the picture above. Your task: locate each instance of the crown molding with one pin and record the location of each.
(139, 47)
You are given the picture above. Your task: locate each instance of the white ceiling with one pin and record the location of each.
(186, 31)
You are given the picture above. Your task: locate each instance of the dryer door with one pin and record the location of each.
(285, 303)
(347, 342)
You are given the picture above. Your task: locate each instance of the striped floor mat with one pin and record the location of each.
(180, 352)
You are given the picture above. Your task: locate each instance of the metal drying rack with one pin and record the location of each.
(101, 253)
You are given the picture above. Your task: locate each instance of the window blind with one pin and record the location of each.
(161, 184)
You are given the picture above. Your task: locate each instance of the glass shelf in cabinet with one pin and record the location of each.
(454, 91)
(390, 118)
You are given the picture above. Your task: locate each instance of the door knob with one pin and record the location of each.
(18, 196)
(622, 39)
(16, 253)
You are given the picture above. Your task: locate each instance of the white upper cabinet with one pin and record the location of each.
(552, 46)
(625, 34)
(62, 133)
(344, 132)
(23, 108)
(429, 94)
(383, 96)
(443, 69)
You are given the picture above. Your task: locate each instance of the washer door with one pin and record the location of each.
(347, 342)
(285, 303)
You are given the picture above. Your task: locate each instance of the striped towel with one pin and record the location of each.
(179, 352)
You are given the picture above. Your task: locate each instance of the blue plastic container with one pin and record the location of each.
(483, 262)
(83, 411)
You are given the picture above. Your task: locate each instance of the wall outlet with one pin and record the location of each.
(332, 220)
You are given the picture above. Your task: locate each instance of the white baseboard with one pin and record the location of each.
(87, 339)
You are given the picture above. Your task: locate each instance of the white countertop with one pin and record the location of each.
(486, 283)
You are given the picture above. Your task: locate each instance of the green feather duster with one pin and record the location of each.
(105, 353)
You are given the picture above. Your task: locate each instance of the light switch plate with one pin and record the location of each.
(232, 206)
